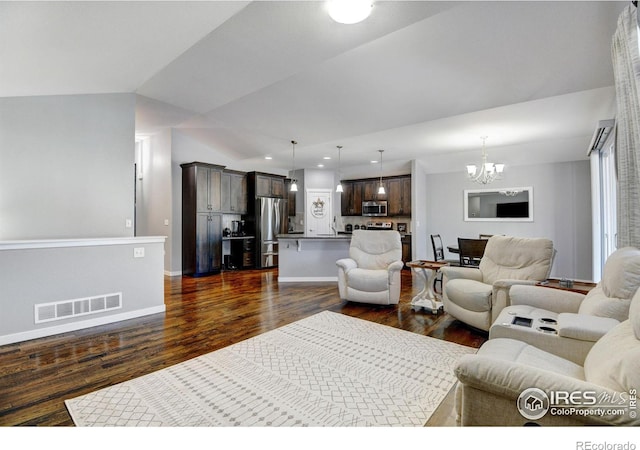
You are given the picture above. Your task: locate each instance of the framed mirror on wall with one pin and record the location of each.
(513, 204)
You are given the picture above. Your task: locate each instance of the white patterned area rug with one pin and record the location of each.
(326, 370)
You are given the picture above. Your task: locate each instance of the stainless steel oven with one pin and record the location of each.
(374, 209)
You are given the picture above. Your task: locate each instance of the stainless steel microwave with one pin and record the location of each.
(374, 209)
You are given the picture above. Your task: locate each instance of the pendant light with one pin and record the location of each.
(381, 190)
(294, 182)
(339, 186)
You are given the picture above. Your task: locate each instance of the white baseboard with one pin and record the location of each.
(306, 279)
(50, 331)
(173, 274)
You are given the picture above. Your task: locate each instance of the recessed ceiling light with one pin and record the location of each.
(268, 157)
(320, 165)
(373, 161)
(326, 157)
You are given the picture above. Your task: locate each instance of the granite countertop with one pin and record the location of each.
(316, 237)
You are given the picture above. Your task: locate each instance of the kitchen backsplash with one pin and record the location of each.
(296, 223)
(362, 221)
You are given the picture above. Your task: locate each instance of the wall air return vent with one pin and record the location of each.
(65, 309)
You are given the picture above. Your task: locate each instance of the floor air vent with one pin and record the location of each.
(46, 312)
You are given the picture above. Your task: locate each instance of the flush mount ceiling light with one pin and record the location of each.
(349, 11)
(487, 172)
(294, 182)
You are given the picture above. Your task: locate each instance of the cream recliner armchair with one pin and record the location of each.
(492, 382)
(371, 274)
(476, 296)
(567, 323)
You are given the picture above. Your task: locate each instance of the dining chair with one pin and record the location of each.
(471, 251)
(438, 255)
(438, 248)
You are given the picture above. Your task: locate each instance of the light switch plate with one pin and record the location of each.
(138, 252)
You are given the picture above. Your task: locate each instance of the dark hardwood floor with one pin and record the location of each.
(202, 315)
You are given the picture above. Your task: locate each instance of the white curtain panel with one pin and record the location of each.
(626, 67)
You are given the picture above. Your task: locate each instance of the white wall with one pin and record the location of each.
(562, 212)
(420, 247)
(69, 269)
(66, 166)
(153, 190)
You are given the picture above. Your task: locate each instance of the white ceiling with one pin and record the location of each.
(421, 80)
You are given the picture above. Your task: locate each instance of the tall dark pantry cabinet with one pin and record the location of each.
(201, 219)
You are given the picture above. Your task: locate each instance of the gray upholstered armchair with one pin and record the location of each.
(371, 274)
(476, 296)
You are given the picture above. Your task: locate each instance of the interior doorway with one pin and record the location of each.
(319, 212)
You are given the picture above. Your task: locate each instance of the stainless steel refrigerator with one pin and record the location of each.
(271, 220)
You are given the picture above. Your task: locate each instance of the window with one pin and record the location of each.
(608, 183)
(603, 203)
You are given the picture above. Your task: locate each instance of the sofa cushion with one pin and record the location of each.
(621, 273)
(516, 351)
(372, 249)
(469, 294)
(634, 314)
(597, 303)
(516, 258)
(584, 327)
(614, 361)
(368, 280)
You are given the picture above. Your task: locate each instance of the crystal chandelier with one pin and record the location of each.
(487, 172)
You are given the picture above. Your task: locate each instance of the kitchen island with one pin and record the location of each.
(305, 257)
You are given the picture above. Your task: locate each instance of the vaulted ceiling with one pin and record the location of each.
(421, 80)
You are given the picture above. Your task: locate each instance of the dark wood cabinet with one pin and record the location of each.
(207, 185)
(406, 249)
(268, 185)
(234, 192)
(201, 219)
(371, 190)
(292, 198)
(399, 196)
(242, 253)
(351, 198)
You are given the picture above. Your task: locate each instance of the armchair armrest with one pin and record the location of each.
(346, 264)
(508, 379)
(584, 327)
(452, 272)
(507, 283)
(555, 300)
(395, 266)
(501, 298)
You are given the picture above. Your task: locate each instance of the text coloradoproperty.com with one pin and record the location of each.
(572, 410)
